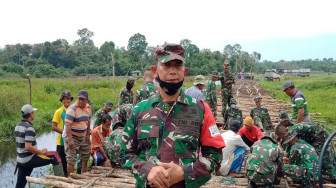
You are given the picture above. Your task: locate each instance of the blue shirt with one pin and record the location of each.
(194, 92)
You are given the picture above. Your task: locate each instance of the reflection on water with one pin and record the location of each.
(8, 159)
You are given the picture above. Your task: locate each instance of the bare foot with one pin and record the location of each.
(234, 174)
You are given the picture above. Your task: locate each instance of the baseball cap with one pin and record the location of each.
(283, 116)
(169, 52)
(66, 94)
(27, 109)
(109, 104)
(83, 94)
(287, 84)
(199, 79)
(289, 136)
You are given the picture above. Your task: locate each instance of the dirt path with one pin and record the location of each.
(244, 92)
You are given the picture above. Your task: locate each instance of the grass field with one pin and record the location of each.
(45, 97)
(319, 90)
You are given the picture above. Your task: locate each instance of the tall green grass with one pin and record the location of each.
(320, 92)
(45, 97)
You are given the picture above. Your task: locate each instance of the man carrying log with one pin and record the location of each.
(166, 133)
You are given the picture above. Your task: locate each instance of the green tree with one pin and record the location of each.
(137, 43)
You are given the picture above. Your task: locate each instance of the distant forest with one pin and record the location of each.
(61, 59)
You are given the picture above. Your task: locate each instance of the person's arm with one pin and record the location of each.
(121, 97)
(55, 128)
(88, 131)
(69, 117)
(259, 133)
(240, 142)
(137, 96)
(56, 119)
(300, 115)
(32, 149)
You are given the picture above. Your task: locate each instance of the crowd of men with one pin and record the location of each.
(169, 137)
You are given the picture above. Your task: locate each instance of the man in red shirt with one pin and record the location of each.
(98, 135)
(249, 132)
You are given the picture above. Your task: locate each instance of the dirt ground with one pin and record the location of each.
(244, 91)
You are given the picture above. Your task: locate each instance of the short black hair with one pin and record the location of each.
(106, 117)
(292, 87)
(234, 126)
(25, 116)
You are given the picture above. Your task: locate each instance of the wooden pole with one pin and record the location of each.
(30, 91)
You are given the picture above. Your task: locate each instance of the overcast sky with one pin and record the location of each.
(286, 29)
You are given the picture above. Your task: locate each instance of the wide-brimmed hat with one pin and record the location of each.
(283, 116)
(66, 94)
(199, 79)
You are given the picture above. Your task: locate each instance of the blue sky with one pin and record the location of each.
(286, 29)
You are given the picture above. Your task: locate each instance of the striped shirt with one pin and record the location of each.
(24, 132)
(298, 101)
(194, 92)
(78, 118)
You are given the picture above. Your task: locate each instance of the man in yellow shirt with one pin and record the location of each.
(58, 126)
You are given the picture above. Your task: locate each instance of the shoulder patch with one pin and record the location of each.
(214, 131)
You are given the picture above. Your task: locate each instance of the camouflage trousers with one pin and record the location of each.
(297, 173)
(328, 162)
(226, 97)
(262, 178)
(262, 124)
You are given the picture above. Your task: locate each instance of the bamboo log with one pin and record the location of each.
(51, 182)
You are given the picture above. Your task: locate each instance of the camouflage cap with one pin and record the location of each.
(108, 104)
(287, 84)
(130, 79)
(283, 116)
(199, 79)
(169, 52)
(233, 101)
(257, 99)
(289, 136)
(269, 135)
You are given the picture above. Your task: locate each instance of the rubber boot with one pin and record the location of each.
(306, 183)
(269, 185)
(251, 184)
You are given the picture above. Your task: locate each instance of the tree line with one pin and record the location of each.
(61, 59)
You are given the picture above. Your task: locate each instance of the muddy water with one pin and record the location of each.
(8, 159)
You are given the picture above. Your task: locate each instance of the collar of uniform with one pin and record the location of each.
(181, 98)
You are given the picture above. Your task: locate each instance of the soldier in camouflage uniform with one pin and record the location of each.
(315, 134)
(232, 113)
(303, 161)
(113, 142)
(103, 111)
(261, 116)
(227, 80)
(148, 89)
(209, 92)
(167, 132)
(265, 163)
(126, 93)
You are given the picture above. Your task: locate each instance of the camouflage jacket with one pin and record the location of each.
(112, 145)
(99, 115)
(126, 96)
(170, 132)
(146, 91)
(233, 114)
(303, 162)
(228, 77)
(314, 134)
(209, 93)
(266, 159)
(261, 116)
(121, 114)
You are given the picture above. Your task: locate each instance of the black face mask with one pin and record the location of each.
(129, 86)
(169, 88)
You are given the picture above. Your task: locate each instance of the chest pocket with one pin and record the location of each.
(187, 133)
(148, 135)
